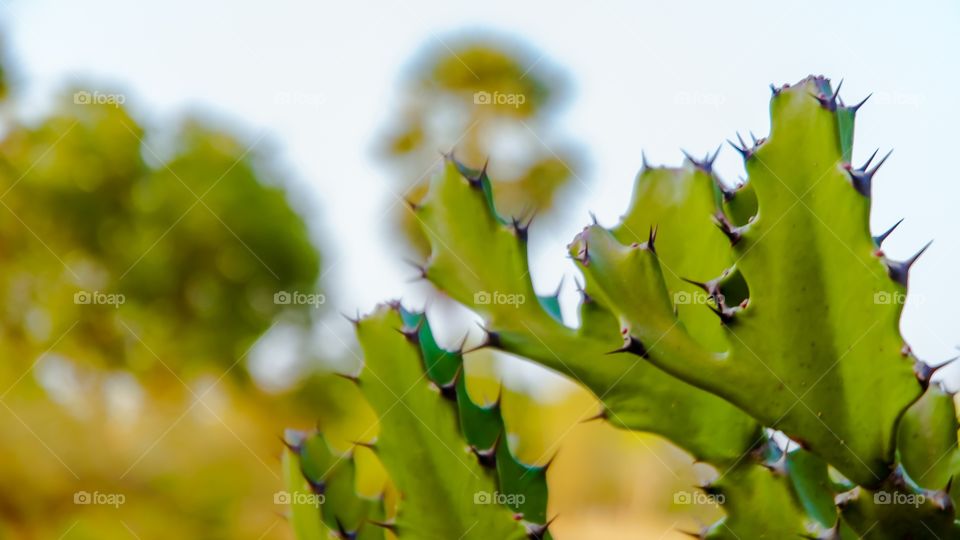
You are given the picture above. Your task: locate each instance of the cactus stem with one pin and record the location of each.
(899, 270)
(878, 240)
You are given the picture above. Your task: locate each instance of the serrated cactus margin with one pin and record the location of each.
(792, 333)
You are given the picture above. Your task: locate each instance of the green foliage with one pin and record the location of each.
(710, 316)
(197, 238)
(477, 95)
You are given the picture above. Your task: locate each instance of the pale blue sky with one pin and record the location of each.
(656, 78)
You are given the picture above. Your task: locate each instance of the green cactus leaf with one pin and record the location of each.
(304, 517)
(899, 509)
(488, 272)
(811, 482)
(927, 439)
(748, 491)
(815, 340)
(440, 484)
(524, 487)
(481, 426)
(680, 203)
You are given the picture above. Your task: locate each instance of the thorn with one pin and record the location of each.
(602, 415)
(411, 205)
(704, 286)
(643, 156)
(421, 269)
(593, 218)
(705, 164)
(633, 346)
(347, 376)
(856, 107)
(754, 138)
(878, 240)
(829, 102)
(732, 233)
(774, 90)
(744, 151)
(899, 270)
(389, 526)
(867, 164)
(539, 532)
(725, 314)
(487, 458)
(353, 321)
(520, 229)
(862, 178)
(925, 372)
(343, 533)
(652, 238)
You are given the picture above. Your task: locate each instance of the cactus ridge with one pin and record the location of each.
(713, 316)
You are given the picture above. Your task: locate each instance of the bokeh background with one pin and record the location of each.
(194, 192)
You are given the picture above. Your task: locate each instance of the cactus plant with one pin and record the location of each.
(712, 317)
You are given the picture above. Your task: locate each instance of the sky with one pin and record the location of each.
(314, 84)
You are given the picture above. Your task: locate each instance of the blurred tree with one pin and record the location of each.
(134, 276)
(185, 252)
(482, 98)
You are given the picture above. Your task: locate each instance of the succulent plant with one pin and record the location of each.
(711, 316)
